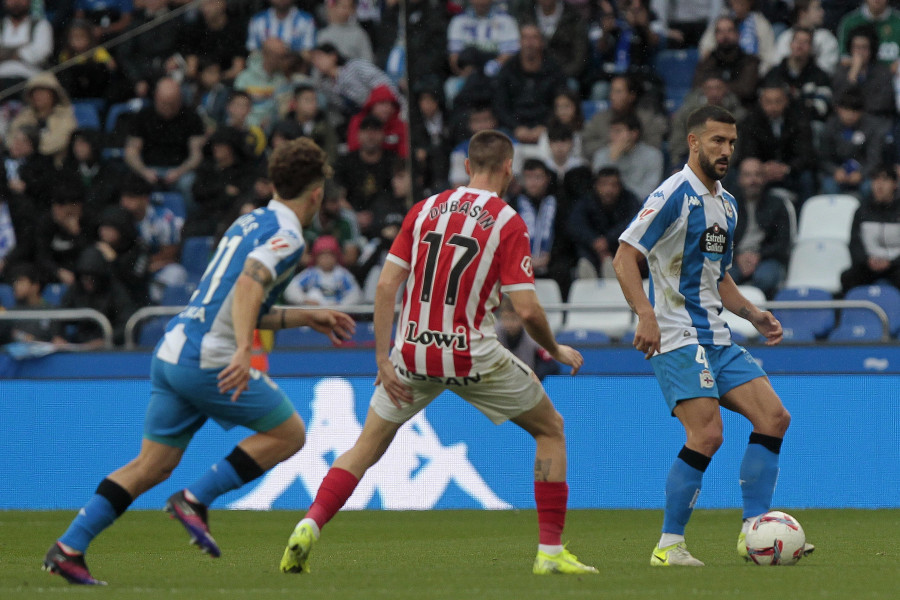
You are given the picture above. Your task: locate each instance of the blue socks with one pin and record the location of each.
(759, 472)
(683, 488)
(105, 506)
(228, 474)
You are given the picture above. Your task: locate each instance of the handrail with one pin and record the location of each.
(367, 309)
(64, 314)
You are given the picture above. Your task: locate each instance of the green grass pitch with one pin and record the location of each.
(451, 555)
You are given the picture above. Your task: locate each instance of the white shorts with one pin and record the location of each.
(504, 391)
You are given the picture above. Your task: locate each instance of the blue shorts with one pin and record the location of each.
(703, 371)
(183, 397)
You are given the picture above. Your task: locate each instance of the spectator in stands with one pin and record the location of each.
(762, 239)
(344, 31)
(215, 37)
(480, 118)
(108, 18)
(526, 86)
(875, 235)
(851, 148)
(808, 14)
(430, 137)
(399, 197)
(565, 33)
(312, 120)
(160, 229)
(382, 104)
(366, 173)
(777, 132)
(486, 27)
(326, 282)
(238, 112)
(683, 21)
(261, 79)
(99, 179)
(884, 21)
(26, 170)
(91, 75)
(426, 36)
(145, 58)
(345, 84)
(730, 63)
(206, 94)
(225, 175)
(17, 223)
(865, 71)
(26, 43)
(27, 290)
(512, 335)
(166, 143)
(125, 251)
(640, 164)
(295, 27)
(367, 267)
(60, 239)
(546, 218)
(755, 34)
(809, 85)
(94, 287)
(338, 221)
(598, 219)
(624, 99)
(714, 91)
(566, 111)
(572, 171)
(49, 110)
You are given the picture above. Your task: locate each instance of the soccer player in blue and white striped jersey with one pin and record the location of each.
(201, 367)
(685, 230)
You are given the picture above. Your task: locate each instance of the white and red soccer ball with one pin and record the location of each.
(775, 538)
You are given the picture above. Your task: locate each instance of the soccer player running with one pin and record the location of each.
(201, 367)
(457, 252)
(685, 229)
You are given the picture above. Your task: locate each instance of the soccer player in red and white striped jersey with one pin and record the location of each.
(457, 252)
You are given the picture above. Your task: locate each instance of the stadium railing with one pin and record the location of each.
(64, 314)
(133, 323)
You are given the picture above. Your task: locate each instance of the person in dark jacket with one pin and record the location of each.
(60, 239)
(598, 219)
(875, 235)
(810, 86)
(565, 32)
(526, 86)
(762, 238)
(729, 63)
(125, 251)
(851, 147)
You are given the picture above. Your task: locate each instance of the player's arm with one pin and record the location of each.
(392, 277)
(249, 290)
(627, 266)
(529, 309)
(764, 321)
(336, 325)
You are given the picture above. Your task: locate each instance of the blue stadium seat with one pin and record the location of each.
(174, 201)
(884, 295)
(116, 110)
(676, 68)
(177, 295)
(859, 324)
(86, 115)
(589, 108)
(7, 298)
(300, 337)
(582, 336)
(195, 254)
(803, 325)
(151, 331)
(54, 292)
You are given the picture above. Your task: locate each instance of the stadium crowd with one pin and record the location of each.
(116, 161)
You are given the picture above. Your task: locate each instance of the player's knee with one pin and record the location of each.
(782, 422)
(555, 426)
(709, 440)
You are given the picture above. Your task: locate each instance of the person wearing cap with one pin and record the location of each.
(326, 282)
(47, 108)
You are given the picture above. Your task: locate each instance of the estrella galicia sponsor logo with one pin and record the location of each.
(440, 339)
(713, 242)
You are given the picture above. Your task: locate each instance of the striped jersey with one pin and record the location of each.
(463, 248)
(297, 30)
(686, 233)
(202, 335)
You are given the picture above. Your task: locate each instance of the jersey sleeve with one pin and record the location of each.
(401, 249)
(652, 221)
(514, 254)
(278, 252)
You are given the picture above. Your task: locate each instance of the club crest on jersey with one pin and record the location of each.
(713, 242)
(729, 211)
(440, 339)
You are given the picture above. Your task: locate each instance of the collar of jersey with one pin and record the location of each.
(282, 209)
(698, 185)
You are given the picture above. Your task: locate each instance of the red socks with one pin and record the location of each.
(551, 498)
(336, 488)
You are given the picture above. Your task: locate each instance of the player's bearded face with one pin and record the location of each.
(714, 167)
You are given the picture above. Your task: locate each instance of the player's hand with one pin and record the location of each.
(338, 326)
(396, 390)
(236, 376)
(647, 336)
(568, 355)
(766, 323)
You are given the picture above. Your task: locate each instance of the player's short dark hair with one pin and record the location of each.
(297, 166)
(697, 119)
(489, 150)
